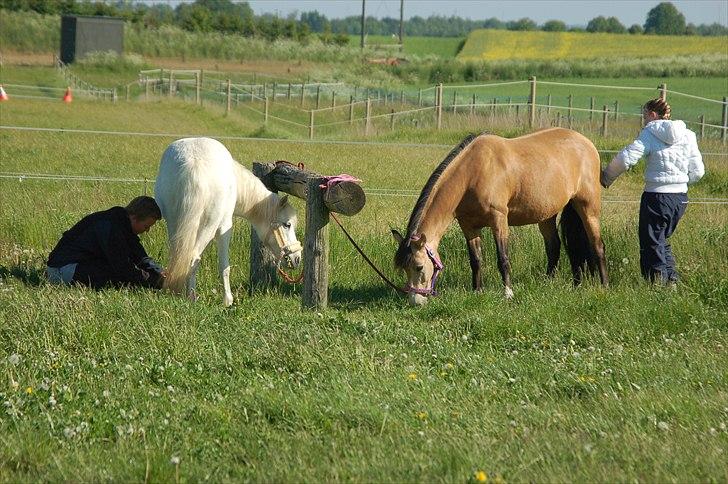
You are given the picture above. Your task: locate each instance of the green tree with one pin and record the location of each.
(635, 29)
(554, 26)
(522, 24)
(665, 19)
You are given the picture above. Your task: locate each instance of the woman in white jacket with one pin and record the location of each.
(673, 162)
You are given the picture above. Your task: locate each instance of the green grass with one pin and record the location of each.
(560, 384)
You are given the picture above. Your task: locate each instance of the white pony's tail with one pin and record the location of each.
(189, 212)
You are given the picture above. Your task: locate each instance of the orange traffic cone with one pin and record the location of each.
(3, 94)
(67, 98)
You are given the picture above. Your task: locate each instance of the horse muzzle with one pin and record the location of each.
(291, 254)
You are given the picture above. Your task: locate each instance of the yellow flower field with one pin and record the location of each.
(487, 44)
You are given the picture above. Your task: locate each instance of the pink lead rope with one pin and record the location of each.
(330, 181)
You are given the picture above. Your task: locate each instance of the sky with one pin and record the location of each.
(572, 12)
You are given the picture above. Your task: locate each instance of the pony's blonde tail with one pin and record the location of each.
(182, 243)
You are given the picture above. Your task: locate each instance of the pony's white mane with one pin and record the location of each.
(254, 201)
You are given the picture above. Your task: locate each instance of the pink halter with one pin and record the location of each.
(438, 268)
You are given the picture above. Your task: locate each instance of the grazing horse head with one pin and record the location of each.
(281, 235)
(421, 264)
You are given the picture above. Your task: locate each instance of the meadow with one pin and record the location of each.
(560, 384)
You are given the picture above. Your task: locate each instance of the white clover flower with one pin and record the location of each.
(663, 426)
(174, 460)
(106, 394)
(625, 261)
(14, 359)
(51, 401)
(69, 432)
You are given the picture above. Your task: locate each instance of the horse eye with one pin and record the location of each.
(419, 268)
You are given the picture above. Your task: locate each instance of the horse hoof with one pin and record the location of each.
(509, 293)
(227, 301)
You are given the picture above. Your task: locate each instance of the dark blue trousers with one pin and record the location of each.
(659, 215)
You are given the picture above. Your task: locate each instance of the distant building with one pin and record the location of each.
(82, 35)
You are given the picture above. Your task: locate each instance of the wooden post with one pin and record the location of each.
(318, 96)
(472, 105)
(288, 93)
(265, 110)
(454, 102)
(591, 109)
(316, 248)
(333, 99)
(351, 110)
(663, 91)
(725, 120)
(303, 88)
(368, 122)
(262, 260)
(310, 124)
(391, 120)
(419, 97)
(532, 103)
(146, 90)
(275, 88)
(604, 121)
(548, 104)
(197, 87)
(227, 108)
(701, 122)
(401, 97)
(571, 105)
(171, 80)
(438, 106)
(616, 109)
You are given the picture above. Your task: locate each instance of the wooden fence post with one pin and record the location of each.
(197, 87)
(663, 91)
(333, 99)
(454, 102)
(391, 120)
(532, 103)
(265, 110)
(438, 106)
(725, 120)
(419, 97)
(351, 110)
(701, 122)
(616, 109)
(548, 104)
(368, 122)
(262, 260)
(146, 90)
(288, 93)
(227, 106)
(591, 109)
(316, 248)
(171, 80)
(318, 96)
(571, 105)
(303, 88)
(472, 105)
(310, 124)
(275, 88)
(604, 121)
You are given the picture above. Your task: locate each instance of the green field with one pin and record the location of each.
(492, 45)
(560, 384)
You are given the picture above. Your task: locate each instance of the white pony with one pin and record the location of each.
(199, 188)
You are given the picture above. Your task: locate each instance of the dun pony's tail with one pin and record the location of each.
(182, 243)
(577, 243)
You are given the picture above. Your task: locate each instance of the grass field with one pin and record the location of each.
(560, 384)
(491, 45)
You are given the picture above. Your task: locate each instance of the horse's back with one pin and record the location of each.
(201, 168)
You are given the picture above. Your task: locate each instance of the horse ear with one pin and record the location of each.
(397, 236)
(283, 201)
(419, 241)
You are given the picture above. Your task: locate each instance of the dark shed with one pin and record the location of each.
(82, 35)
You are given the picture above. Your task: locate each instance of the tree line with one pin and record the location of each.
(228, 17)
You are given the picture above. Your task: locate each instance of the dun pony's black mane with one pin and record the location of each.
(403, 252)
(414, 221)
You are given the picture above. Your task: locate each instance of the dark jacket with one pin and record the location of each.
(105, 240)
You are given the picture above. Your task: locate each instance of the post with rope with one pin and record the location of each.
(324, 196)
(724, 132)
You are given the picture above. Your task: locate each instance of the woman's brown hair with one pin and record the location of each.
(659, 106)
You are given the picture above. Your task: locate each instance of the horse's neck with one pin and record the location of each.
(254, 201)
(440, 209)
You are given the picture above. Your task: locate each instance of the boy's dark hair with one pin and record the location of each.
(659, 106)
(143, 208)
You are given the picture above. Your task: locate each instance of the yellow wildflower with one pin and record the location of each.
(412, 376)
(481, 476)
(422, 415)
(29, 390)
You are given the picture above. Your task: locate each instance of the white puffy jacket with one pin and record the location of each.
(673, 158)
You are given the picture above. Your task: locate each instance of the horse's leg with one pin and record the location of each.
(589, 214)
(500, 234)
(472, 236)
(224, 233)
(192, 279)
(553, 244)
(204, 236)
